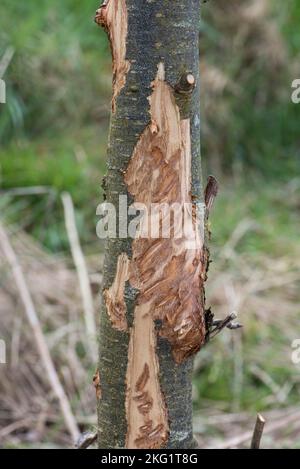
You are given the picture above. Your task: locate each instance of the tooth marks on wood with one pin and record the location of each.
(169, 276)
(150, 438)
(143, 379)
(114, 296)
(113, 17)
(145, 407)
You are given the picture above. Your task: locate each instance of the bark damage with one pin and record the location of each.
(114, 296)
(97, 384)
(168, 276)
(113, 17)
(145, 407)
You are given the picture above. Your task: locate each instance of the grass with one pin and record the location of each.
(61, 64)
(61, 164)
(274, 208)
(240, 372)
(252, 279)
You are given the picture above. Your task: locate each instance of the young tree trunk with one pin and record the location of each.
(153, 318)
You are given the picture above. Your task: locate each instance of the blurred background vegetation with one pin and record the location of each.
(53, 133)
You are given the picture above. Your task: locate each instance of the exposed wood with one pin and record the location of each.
(145, 408)
(114, 296)
(168, 275)
(112, 15)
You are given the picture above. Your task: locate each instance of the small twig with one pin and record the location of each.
(86, 440)
(233, 326)
(38, 333)
(225, 323)
(82, 272)
(186, 83)
(258, 431)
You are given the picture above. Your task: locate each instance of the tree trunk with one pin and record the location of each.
(153, 317)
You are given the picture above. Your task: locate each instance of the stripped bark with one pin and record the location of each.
(114, 296)
(168, 276)
(153, 320)
(112, 15)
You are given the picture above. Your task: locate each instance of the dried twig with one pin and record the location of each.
(222, 324)
(258, 431)
(82, 272)
(86, 440)
(38, 333)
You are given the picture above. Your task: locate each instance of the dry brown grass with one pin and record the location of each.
(28, 408)
(264, 292)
